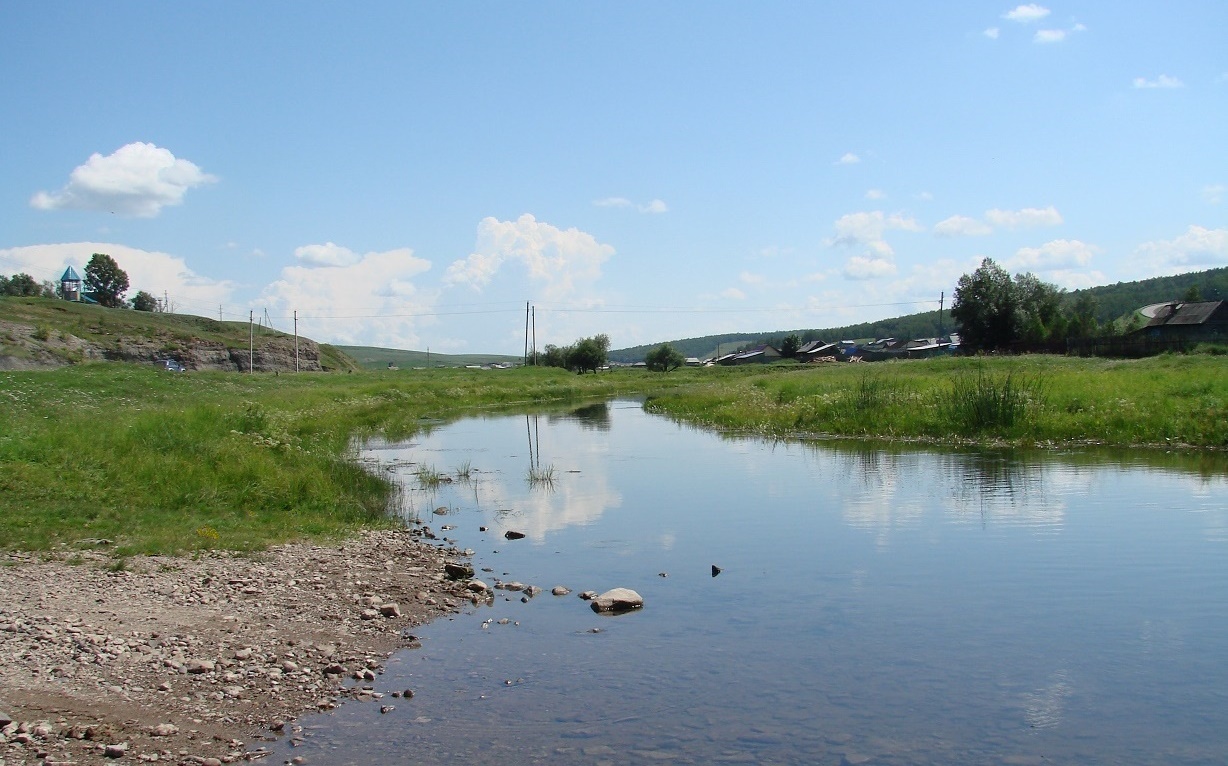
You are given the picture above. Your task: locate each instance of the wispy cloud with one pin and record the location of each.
(1028, 217)
(876, 194)
(862, 267)
(656, 206)
(961, 226)
(136, 180)
(1058, 254)
(1163, 81)
(1026, 14)
(992, 33)
(1213, 193)
(1049, 36)
(848, 159)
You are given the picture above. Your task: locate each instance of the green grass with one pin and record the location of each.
(165, 463)
(1161, 401)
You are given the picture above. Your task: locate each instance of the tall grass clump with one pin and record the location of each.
(430, 478)
(980, 401)
(541, 477)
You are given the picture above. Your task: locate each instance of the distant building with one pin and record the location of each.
(757, 355)
(1200, 321)
(817, 349)
(70, 285)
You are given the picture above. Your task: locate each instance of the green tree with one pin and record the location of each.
(1192, 295)
(986, 308)
(106, 280)
(589, 354)
(1083, 322)
(143, 301)
(21, 285)
(790, 345)
(663, 358)
(1040, 306)
(553, 356)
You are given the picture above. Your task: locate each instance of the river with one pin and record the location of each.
(874, 604)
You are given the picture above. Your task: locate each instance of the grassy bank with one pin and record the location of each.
(159, 462)
(1162, 401)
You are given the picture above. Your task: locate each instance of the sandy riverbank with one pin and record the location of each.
(199, 660)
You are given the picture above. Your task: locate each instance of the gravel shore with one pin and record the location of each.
(198, 660)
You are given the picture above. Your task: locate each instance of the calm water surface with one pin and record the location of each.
(875, 605)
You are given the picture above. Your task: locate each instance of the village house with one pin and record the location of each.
(1201, 321)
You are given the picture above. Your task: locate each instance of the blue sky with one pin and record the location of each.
(410, 174)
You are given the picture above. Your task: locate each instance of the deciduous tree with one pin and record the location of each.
(663, 358)
(106, 280)
(143, 301)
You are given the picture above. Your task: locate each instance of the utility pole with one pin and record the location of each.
(941, 302)
(526, 332)
(251, 342)
(296, 340)
(219, 312)
(534, 336)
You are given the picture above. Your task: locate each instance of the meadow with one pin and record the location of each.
(157, 462)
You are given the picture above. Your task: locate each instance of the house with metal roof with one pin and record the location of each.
(1194, 321)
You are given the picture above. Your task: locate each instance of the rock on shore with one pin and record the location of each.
(188, 659)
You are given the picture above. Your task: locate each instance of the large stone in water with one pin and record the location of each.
(618, 600)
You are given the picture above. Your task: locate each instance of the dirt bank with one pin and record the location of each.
(197, 660)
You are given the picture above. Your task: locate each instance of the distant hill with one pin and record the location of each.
(48, 332)
(1112, 302)
(374, 358)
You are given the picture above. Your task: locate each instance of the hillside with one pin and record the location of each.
(46, 332)
(1112, 302)
(375, 358)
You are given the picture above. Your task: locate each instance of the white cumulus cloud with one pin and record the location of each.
(1026, 14)
(1162, 82)
(1028, 217)
(364, 300)
(868, 267)
(869, 226)
(1058, 254)
(327, 254)
(961, 226)
(137, 180)
(557, 260)
(1198, 247)
(152, 271)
